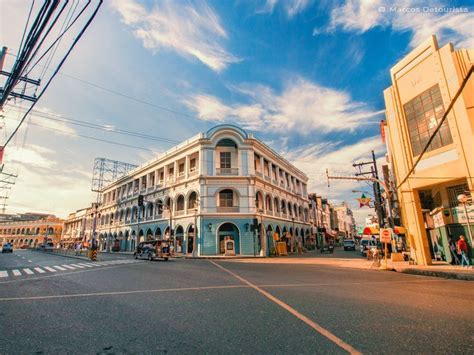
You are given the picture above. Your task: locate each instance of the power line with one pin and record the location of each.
(76, 40)
(105, 127)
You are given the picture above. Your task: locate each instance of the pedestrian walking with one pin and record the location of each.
(454, 254)
(300, 245)
(462, 250)
(78, 248)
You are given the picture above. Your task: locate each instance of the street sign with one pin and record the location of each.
(386, 235)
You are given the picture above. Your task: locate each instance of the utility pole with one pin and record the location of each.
(375, 185)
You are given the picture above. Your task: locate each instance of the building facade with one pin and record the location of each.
(345, 220)
(79, 225)
(220, 185)
(30, 230)
(423, 86)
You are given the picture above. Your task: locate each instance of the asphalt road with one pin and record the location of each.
(208, 306)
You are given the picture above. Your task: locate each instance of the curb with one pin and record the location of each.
(442, 274)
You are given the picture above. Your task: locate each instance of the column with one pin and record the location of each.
(186, 167)
(262, 166)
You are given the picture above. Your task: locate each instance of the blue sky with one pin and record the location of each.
(305, 76)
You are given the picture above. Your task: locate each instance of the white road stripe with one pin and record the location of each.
(59, 267)
(78, 266)
(69, 267)
(16, 272)
(50, 269)
(3, 274)
(40, 270)
(86, 265)
(28, 271)
(29, 261)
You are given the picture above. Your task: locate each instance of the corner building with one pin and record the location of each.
(225, 181)
(423, 85)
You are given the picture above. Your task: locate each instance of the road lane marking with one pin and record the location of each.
(29, 261)
(60, 268)
(40, 270)
(120, 293)
(69, 267)
(50, 269)
(75, 272)
(16, 272)
(86, 265)
(28, 271)
(3, 273)
(323, 331)
(78, 266)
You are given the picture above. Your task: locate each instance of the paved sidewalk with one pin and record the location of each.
(437, 270)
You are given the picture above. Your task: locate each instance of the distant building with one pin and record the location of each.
(424, 83)
(78, 226)
(345, 220)
(30, 229)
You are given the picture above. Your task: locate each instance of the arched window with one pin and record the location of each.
(283, 206)
(192, 201)
(149, 210)
(159, 207)
(277, 205)
(180, 203)
(259, 200)
(268, 203)
(226, 198)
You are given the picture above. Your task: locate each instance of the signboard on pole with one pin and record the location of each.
(386, 235)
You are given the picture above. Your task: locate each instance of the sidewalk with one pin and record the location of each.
(313, 258)
(437, 270)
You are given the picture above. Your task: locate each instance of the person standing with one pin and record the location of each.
(454, 254)
(462, 250)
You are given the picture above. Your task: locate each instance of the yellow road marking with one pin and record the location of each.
(324, 332)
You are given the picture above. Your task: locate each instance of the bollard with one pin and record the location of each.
(93, 255)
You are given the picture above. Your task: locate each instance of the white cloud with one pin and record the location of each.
(415, 16)
(192, 31)
(40, 188)
(291, 7)
(303, 106)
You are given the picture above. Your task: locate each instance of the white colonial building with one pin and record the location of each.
(225, 181)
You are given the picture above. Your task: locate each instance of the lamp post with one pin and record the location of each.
(463, 199)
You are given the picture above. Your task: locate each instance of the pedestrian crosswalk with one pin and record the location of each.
(37, 270)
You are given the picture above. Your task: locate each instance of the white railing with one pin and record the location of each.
(227, 171)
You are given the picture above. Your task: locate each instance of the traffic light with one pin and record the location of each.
(140, 200)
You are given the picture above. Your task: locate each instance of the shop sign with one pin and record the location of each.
(459, 214)
(438, 219)
(385, 235)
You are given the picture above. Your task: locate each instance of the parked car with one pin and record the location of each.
(349, 244)
(7, 248)
(153, 249)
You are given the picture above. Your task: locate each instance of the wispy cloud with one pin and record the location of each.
(291, 7)
(409, 15)
(302, 106)
(191, 30)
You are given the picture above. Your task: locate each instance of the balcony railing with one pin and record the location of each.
(227, 171)
(179, 213)
(228, 209)
(258, 173)
(193, 172)
(267, 178)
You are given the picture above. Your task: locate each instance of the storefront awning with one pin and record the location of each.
(400, 230)
(369, 231)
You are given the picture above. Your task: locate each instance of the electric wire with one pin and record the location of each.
(76, 40)
(105, 127)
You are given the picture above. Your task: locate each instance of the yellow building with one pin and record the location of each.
(423, 85)
(30, 230)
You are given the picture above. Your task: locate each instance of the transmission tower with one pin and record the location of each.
(107, 171)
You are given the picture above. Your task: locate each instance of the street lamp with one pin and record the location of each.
(463, 199)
